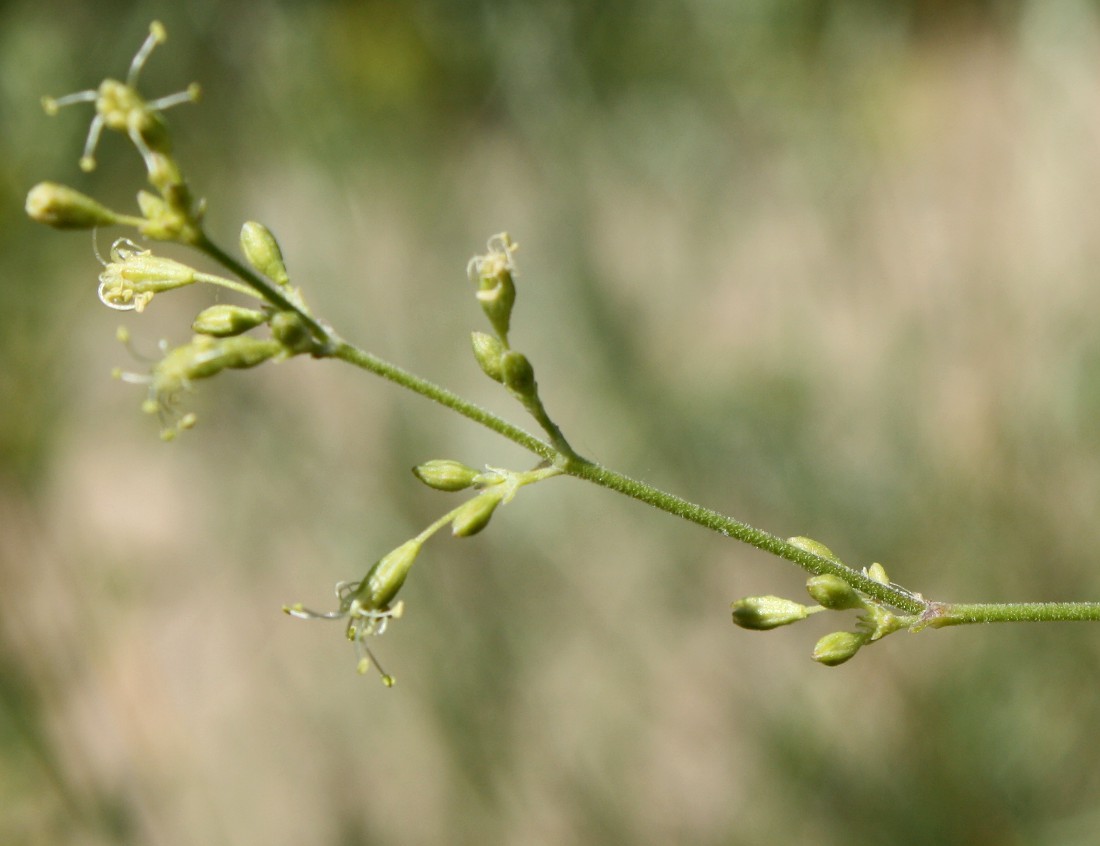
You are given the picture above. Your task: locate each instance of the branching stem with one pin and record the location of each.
(927, 613)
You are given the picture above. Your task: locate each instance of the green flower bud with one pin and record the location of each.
(815, 547)
(445, 475)
(519, 375)
(386, 577)
(288, 329)
(761, 613)
(205, 357)
(838, 647)
(263, 253)
(877, 572)
(473, 516)
(152, 206)
(489, 351)
(223, 321)
(63, 208)
(496, 290)
(833, 593)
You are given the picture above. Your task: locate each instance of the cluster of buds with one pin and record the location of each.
(369, 604)
(493, 275)
(832, 593)
(132, 278)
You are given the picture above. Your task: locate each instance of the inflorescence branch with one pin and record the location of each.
(224, 338)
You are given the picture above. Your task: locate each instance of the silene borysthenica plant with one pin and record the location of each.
(278, 324)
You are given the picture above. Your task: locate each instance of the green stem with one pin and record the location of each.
(957, 614)
(380, 367)
(933, 614)
(584, 469)
(269, 291)
(891, 595)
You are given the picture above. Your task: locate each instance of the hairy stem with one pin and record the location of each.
(957, 614)
(929, 613)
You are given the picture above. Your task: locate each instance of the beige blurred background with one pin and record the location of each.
(831, 268)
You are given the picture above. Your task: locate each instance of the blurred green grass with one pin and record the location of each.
(828, 267)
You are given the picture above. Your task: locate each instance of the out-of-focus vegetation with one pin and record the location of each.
(830, 267)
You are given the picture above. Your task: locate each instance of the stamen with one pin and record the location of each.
(157, 35)
(87, 161)
(52, 104)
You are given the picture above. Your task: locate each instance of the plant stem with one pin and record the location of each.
(582, 468)
(932, 614)
(956, 614)
(380, 367)
(268, 290)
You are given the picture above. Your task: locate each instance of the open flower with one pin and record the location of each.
(204, 357)
(120, 107)
(368, 604)
(134, 275)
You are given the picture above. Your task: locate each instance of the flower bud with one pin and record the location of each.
(473, 516)
(489, 351)
(519, 375)
(263, 253)
(833, 592)
(445, 474)
(761, 613)
(877, 572)
(386, 577)
(838, 647)
(223, 321)
(63, 208)
(814, 547)
(289, 330)
(496, 290)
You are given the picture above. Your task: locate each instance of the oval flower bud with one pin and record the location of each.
(877, 572)
(836, 648)
(761, 613)
(289, 330)
(815, 547)
(496, 290)
(519, 375)
(263, 253)
(473, 516)
(223, 321)
(445, 475)
(833, 592)
(489, 352)
(386, 577)
(63, 208)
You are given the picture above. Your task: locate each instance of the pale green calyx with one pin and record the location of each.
(263, 253)
(761, 613)
(474, 515)
(834, 593)
(203, 357)
(446, 475)
(492, 274)
(489, 352)
(368, 604)
(816, 547)
(224, 321)
(63, 208)
(836, 648)
(519, 375)
(129, 281)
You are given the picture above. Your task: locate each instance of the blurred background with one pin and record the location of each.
(831, 268)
